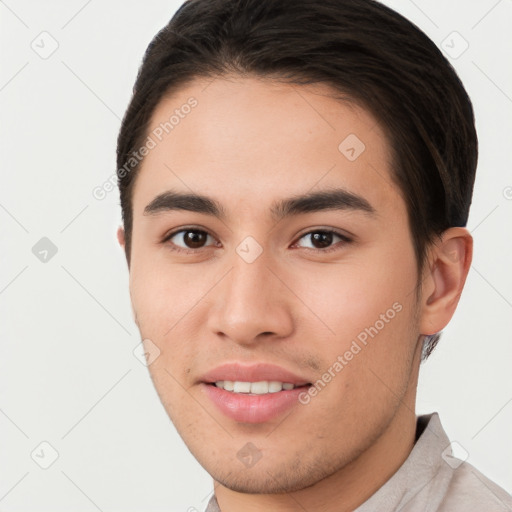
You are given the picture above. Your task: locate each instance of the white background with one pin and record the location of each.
(68, 375)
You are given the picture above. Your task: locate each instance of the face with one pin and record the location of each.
(290, 282)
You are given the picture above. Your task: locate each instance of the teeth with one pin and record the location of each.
(228, 385)
(259, 388)
(256, 388)
(274, 387)
(242, 387)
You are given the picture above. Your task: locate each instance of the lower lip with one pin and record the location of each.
(248, 408)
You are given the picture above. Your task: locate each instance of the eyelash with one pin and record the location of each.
(345, 239)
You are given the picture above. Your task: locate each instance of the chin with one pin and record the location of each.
(274, 478)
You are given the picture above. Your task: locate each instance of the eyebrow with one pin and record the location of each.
(330, 199)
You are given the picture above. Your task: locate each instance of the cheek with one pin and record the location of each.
(369, 308)
(161, 294)
(349, 298)
(168, 303)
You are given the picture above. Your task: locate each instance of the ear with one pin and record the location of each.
(444, 277)
(120, 237)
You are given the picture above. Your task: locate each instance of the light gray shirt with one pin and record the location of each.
(432, 480)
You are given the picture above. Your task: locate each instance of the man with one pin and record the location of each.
(295, 182)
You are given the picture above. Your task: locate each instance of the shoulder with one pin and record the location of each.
(469, 490)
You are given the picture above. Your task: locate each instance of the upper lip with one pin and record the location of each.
(254, 372)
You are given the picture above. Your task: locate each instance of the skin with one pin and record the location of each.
(249, 142)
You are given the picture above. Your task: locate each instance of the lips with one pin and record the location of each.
(254, 393)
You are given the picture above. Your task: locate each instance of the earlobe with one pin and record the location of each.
(449, 265)
(120, 236)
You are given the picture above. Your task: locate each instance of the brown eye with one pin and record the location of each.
(194, 239)
(322, 240)
(188, 239)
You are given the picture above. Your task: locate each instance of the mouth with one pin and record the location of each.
(255, 393)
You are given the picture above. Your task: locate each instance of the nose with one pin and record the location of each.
(251, 303)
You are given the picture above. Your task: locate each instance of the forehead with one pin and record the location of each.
(252, 139)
